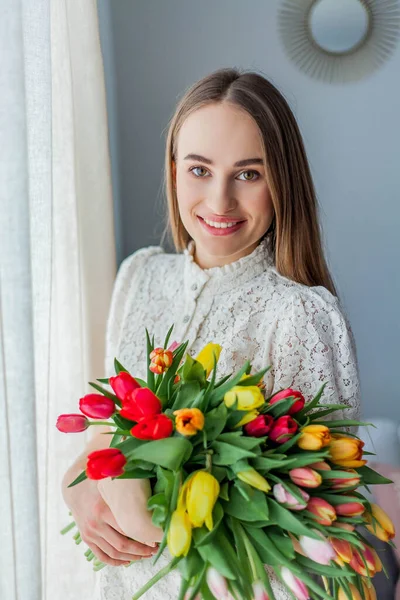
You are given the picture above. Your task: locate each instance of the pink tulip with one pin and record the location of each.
(173, 346)
(72, 423)
(287, 500)
(295, 585)
(320, 551)
(259, 591)
(344, 482)
(350, 509)
(122, 384)
(320, 466)
(305, 477)
(97, 406)
(217, 584)
(189, 593)
(298, 405)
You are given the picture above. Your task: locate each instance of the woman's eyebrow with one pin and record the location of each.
(240, 163)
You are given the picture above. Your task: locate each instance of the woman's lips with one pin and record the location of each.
(221, 230)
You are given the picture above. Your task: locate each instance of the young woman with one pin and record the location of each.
(249, 274)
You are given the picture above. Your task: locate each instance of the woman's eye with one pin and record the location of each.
(251, 173)
(193, 169)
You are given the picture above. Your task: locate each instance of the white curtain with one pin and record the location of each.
(57, 266)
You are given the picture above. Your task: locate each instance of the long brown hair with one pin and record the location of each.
(295, 234)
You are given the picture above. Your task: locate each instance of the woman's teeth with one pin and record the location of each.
(220, 225)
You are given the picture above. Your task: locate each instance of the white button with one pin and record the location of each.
(186, 318)
(194, 286)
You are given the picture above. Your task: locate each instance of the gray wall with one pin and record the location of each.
(154, 50)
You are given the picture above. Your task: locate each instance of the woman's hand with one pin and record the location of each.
(99, 529)
(94, 519)
(127, 499)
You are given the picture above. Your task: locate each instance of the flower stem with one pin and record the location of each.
(167, 569)
(67, 528)
(102, 423)
(250, 555)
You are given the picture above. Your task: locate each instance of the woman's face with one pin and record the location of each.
(221, 178)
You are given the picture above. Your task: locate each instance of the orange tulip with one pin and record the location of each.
(324, 512)
(314, 437)
(343, 549)
(380, 524)
(340, 483)
(161, 360)
(367, 562)
(189, 420)
(346, 451)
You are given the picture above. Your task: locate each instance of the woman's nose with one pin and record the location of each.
(221, 198)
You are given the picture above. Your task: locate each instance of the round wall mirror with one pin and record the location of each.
(339, 40)
(339, 26)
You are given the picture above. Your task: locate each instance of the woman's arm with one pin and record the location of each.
(311, 342)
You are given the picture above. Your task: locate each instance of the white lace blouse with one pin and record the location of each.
(254, 313)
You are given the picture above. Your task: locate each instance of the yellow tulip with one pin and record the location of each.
(179, 535)
(248, 417)
(346, 451)
(379, 523)
(355, 594)
(205, 356)
(369, 590)
(200, 495)
(314, 437)
(253, 478)
(249, 397)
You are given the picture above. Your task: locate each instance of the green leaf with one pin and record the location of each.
(310, 405)
(106, 380)
(169, 453)
(214, 553)
(169, 375)
(340, 498)
(322, 413)
(168, 336)
(215, 421)
(191, 564)
(264, 463)
(122, 423)
(220, 391)
(135, 474)
(240, 548)
(291, 442)
(319, 569)
(281, 541)
(242, 509)
(150, 374)
(286, 520)
(118, 367)
(260, 543)
(236, 438)
(127, 446)
(187, 392)
(343, 423)
(302, 459)
(369, 476)
(193, 370)
(157, 500)
(226, 454)
(223, 492)
(279, 408)
(254, 379)
(80, 478)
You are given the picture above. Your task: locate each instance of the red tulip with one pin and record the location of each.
(140, 404)
(122, 384)
(153, 428)
(260, 426)
(97, 406)
(283, 429)
(350, 509)
(109, 462)
(72, 423)
(298, 405)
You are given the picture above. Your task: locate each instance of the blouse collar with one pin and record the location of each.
(228, 277)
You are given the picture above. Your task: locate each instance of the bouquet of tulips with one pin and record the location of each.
(240, 481)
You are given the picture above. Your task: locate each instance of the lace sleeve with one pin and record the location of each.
(127, 279)
(312, 343)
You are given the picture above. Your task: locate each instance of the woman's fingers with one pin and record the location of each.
(123, 544)
(100, 555)
(115, 554)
